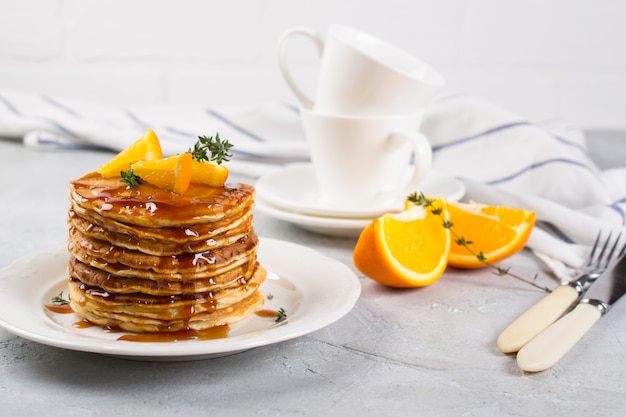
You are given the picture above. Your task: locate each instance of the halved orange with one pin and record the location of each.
(407, 249)
(493, 233)
(146, 147)
(172, 174)
(208, 173)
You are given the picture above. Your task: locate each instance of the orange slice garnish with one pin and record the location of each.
(146, 147)
(208, 173)
(172, 173)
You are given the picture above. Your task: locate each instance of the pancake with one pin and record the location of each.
(165, 307)
(107, 254)
(151, 206)
(181, 234)
(144, 259)
(95, 277)
(156, 244)
(99, 315)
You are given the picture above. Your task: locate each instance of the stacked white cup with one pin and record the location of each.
(363, 127)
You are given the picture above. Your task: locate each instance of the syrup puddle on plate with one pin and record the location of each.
(217, 332)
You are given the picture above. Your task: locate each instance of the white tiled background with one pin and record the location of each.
(543, 59)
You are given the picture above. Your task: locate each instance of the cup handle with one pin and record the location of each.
(422, 160)
(305, 101)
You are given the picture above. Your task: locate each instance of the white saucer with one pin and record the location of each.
(295, 188)
(332, 226)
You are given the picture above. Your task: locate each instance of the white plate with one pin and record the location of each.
(296, 188)
(314, 290)
(332, 226)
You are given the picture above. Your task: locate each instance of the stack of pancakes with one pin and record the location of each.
(144, 259)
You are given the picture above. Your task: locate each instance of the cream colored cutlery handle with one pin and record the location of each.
(553, 343)
(537, 318)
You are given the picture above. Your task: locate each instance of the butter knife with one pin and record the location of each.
(541, 315)
(554, 305)
(553, 343)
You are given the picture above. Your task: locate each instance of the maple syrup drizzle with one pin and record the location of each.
(59, 308)
(204, 300)
(266, 313)
(162, 204)
(217, 332)
(83, 324)
(212, 333)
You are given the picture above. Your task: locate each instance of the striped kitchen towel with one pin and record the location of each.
(507, 160)
(502, 157)
(263, 135)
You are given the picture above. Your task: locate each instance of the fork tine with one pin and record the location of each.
(593, 249)
(623, 251)
(601, 255)
(610, 256)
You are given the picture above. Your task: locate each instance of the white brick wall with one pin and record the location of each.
(544, 59)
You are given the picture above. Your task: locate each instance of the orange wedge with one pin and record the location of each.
(495, 233)
(407, 249)
(146, 147)
(208, 173)
(172, 174)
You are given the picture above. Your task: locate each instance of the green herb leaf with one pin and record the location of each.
(282, 315)
(59, 300)
(211, 149)
(130, 178)
(504, 271)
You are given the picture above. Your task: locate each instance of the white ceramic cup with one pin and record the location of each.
(361, 74)
(364, 162)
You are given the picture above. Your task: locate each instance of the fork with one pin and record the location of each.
(552, 306)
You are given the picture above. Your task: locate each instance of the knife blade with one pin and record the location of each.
(554, 342)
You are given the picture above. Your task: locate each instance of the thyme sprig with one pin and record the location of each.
(130, 178)
(59, 300)
(208, 148)
(420, 200)
(282, 315)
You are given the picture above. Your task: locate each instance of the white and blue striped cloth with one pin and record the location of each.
(502, 158)
(262, 135)
(507, 160)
